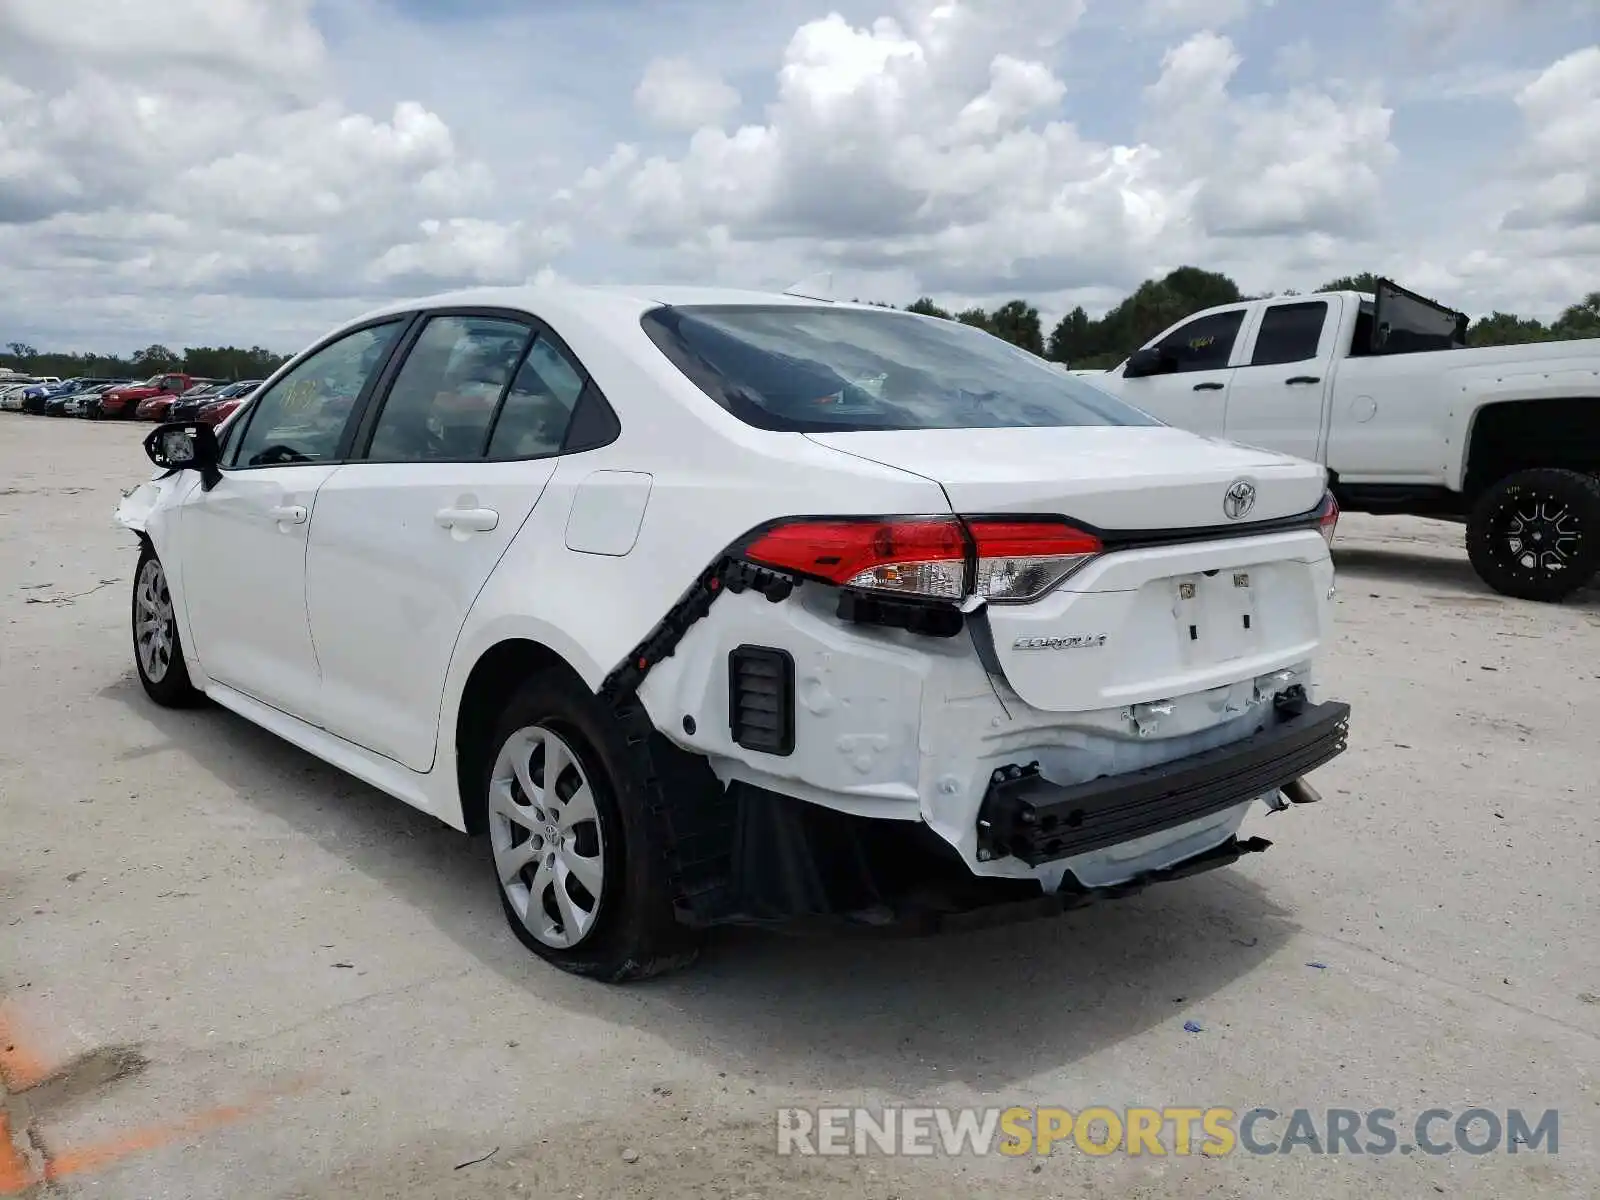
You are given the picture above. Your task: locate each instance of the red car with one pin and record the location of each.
(157, 407)
(215, 414)
(124, 401)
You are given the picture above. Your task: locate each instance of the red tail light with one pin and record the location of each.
(1328, 518)
(919, 556)
(943, 558)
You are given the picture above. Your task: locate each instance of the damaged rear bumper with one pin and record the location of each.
(776, 861)
(928, 915)
(1025, 816)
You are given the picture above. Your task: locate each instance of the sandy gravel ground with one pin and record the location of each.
(258, 978)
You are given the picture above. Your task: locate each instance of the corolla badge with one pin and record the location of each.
(1239, 499)
(1077, 641)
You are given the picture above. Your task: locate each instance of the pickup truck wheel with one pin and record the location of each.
(575, 849)
(1535, 535)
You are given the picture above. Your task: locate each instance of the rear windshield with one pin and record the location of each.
(804, 369)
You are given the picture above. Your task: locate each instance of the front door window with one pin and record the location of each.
(301, 418)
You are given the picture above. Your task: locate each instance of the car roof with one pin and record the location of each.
(597, 301)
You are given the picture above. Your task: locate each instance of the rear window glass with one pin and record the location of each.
(810, 369)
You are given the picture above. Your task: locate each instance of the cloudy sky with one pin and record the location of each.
(203, 171)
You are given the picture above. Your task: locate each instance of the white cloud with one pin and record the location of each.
(159, 155)
(1301, 163)
(1016, 90)
(1562, 107)
(676, 94)
(466, 252)
(1181, 16)
(1562, 158)
(274, 38)
(880, 147)
(253, 169)
(1432, 22)
(308, 167)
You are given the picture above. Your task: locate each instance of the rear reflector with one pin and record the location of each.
(940, 558)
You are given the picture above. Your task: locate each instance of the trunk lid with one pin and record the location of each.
(1111, 477)
(1153, 618)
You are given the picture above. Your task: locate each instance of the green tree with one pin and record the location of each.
(1154, 305)
(1582, 320)
(230, 362)
(975, 317)
(1069, 339)
(1203, 289)
(156, 358)
(1364, 282)
(1506, 329)
(927, 308)
(1017, 322)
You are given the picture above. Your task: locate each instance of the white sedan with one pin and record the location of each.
(713, 607)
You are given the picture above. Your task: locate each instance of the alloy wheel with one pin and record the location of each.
(1540, 534)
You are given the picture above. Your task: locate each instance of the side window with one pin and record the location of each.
(443, 400)
(301, 417)
(538, 409)
(1290, 333)
(1203, 344)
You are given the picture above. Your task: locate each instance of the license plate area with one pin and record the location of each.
(1216, 618)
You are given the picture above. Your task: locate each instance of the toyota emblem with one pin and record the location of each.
(1239, 499)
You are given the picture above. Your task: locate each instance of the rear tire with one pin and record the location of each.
(1535, 535)
(588, 832)
(157, 649)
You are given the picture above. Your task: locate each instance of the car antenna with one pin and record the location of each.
(813, 287)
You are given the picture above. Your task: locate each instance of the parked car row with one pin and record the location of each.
(173, 396)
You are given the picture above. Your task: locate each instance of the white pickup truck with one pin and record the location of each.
(1383, 391)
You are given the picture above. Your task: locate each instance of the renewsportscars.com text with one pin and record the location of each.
(1173, 1131)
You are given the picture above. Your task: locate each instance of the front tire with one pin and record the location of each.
(157, 649)
(1535, 535)
(577, 855)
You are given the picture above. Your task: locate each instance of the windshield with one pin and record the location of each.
(806, 369)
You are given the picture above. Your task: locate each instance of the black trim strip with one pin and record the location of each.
(1139, 539)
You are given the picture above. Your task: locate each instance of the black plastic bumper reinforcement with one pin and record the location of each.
(725, 575)
(1025, 816)
(692, 812)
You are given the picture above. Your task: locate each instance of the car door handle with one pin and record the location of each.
(480, 520)
(1208, 387)
(1294, 379)
(291, 514)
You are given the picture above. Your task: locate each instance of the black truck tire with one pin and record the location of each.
(1535, 535)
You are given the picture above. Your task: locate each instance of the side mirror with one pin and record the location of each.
(1149, 361)
(180, 446)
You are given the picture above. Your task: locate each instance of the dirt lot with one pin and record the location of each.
(255, 977)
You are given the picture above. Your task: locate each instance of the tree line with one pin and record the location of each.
(1079, 339)
(1157, 304)
(207, 362)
